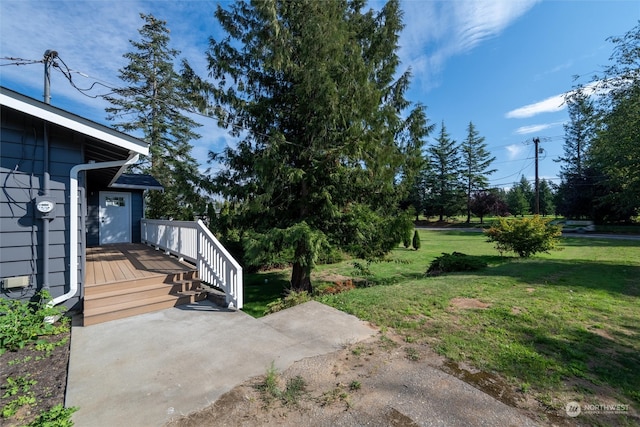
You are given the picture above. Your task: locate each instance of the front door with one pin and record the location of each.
(115, 217)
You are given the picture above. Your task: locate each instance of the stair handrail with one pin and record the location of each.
(194, 242)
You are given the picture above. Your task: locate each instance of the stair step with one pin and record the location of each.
(136, 307)
(123, 285)
(117, 296)
(189, 284)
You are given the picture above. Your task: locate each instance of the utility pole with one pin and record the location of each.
(49, 57)
(536, 141)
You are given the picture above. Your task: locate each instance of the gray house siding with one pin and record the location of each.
(21, 174)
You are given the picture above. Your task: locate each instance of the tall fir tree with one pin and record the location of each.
(445, 187)
(154, 104)
(475, 164)
(578, 132)
(615, 151)
(315, 86)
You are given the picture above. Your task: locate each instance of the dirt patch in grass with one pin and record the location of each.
(469, 303)
(46, 375)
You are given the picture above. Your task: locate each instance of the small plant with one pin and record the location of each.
(292, 392)
(524, 236)
(292, 299)
(456, 261)
(361, 269)
(58, 416)
(17, 385)
(412, 353)
(416, 240)
(26, 359)
(23, 322)
(12, 407)
(337, 394)
(355, 385)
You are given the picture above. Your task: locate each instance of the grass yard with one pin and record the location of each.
(559, 327)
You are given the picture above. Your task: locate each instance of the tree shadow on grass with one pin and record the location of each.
(617, 278)
(600, 242)
(263, 288)
(599, 360)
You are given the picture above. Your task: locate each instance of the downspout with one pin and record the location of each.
(46, 221)
(73, 220)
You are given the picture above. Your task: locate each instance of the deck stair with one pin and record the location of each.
(127, 280)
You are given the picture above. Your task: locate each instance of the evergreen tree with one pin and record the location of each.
(316, 87)
(418, 191)
(445, 189)
(613, 155)
(576, 202)
(578, 133)
(475, 162)
(416, 240)
(154, 104)
(547, 198)
(520, 198)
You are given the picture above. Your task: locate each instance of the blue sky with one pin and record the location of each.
(502, 64)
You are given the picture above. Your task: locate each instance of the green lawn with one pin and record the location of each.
(559, 325)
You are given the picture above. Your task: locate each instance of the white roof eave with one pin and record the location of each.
(71, 121)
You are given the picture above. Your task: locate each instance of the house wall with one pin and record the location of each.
(93, 214)
(21, 175)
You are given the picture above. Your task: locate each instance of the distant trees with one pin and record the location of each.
(154, 103)
(486, 202)
(444, 182)
(547, 197)
(520, 197)
(450, 174)
(475, 165)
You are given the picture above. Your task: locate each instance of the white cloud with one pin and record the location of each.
(437, 30)
(550, 105)
(514, 151)
(554, 103)
(524, 130)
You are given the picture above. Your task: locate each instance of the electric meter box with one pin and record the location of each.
(45, 206)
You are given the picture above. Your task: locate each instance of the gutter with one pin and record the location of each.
(73, 220)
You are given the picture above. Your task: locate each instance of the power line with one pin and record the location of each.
(20, 61)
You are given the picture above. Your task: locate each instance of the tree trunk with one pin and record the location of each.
(301, 277)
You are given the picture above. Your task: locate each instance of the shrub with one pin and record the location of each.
(455, 261)
(23, 322)
(406, 241)
(416, 240)
(292, 298)
(524, 236)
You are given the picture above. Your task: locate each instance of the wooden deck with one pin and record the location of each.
(126, 280)
(129, 262)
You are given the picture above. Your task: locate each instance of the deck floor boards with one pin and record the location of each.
(130, 261)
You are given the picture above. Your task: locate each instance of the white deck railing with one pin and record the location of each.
(194, 242)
